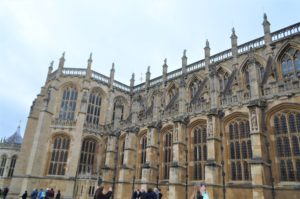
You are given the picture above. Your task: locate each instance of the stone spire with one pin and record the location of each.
(132, 82)
(90, 61)
(89, 67)
(15, 138)
(148, 74)
(207, 55)
(233, 38)
(267, 32)
(112, 75)
(62, 61)
(50, 68)
(234, 44)
(184, 62)
(266, 24)
(164, 71)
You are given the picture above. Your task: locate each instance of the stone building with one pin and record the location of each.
(231, 120)
(9, 151)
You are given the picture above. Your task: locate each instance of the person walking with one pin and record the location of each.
(34, 194)
(24, 196)
(5, 192)
(41, 194)
(100, 195)
(57, 195)
(200, 193)
(143, 194)
(150, 194)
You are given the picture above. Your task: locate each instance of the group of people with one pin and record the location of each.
(3, 193)
(198, 193)
(42, 194)
(150, 194)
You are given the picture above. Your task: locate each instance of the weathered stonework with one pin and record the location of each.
(185, 117)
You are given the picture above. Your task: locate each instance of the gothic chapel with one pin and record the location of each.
(231, 120)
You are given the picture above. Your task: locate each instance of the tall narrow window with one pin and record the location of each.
(59, 156)
(114, 111)
(68, 104)
(287, 136)
(87, 156)
(200, 152)
(2, 165)
(143, 152)
(167, 150)
(12, 166)
(94, 107)
(240, 149)
(122, 152)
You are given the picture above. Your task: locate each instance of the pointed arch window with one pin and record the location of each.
(2, 164)
(87, 156)
(200, 152)
(290, 63)
(167, 151)
(287, 136)
(240, 150)
(59, 155)
(94, 108)
(68, 104)
(143, 146)
(12, 166)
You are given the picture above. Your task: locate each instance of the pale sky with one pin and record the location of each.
(134, 34)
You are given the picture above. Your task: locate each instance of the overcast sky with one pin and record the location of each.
(134, 34)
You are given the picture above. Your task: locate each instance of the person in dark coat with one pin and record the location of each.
(136, 194)
(151, 194)
(5, 192)
(143, 194)
(24, 196)
(57, 195)
(100, 195)
(34, 194)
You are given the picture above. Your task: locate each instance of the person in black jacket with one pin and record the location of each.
(5, 192)
(100, 195)
(24, 196)
(151, 194)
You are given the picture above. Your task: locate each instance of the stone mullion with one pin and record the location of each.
(259, 164)
(177, 176)
(126, 172)
(150, 170)
(110, 160)
(213, 166)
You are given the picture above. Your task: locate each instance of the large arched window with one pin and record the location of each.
(287, 134)
(87, 156)
(199, 152)
(68, 104)
(2, 165)
(240, 150)
(12, 166)
(94, 108)
(143, 145)
(290, 63)
(167, 151)
(59, 155)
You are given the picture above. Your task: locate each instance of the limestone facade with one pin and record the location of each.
(231, 120)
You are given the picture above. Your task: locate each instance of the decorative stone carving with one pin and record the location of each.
(254, 125)
(210, 127)
(176, 132)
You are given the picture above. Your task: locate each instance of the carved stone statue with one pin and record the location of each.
(253, 120)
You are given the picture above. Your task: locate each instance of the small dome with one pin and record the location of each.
(15, 138)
